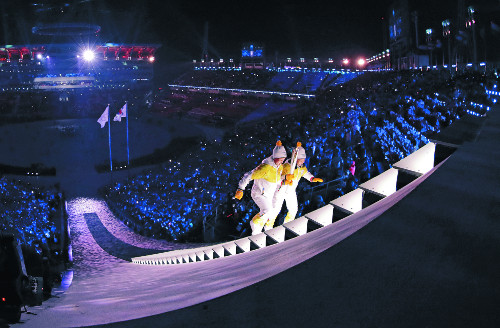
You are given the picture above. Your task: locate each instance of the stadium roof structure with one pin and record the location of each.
(66, 29)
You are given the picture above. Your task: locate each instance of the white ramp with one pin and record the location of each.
(230, 248)
(200, 256)
(383, 184)
(351, 202)
(209, 253)
(420, 162)
(259, 240)
(297, 226)
(277, 234)
(243, 244)
(219, 250)
(323, 216)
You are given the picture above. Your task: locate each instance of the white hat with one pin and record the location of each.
(279, 151)
(301, 151)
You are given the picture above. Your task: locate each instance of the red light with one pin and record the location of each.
(3, 299)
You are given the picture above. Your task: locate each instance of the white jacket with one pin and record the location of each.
(298, 173)
(266, 176)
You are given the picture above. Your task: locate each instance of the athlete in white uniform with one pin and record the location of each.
(267, 179)
(288, 193)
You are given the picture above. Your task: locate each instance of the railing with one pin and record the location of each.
(326, 186)
(210, 223)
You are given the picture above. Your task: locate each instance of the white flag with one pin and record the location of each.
(104, 117)
(121, 113)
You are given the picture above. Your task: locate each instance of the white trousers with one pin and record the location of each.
(265, 217)
(288, 196)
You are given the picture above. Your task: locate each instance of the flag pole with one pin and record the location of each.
(109, 139)
(128, 148)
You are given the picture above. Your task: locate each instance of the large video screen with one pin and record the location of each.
(252, 51)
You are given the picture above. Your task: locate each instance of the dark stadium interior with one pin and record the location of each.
(126, 126)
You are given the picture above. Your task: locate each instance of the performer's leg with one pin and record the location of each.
(292, 206)
(265, 211)
(278, 199)
(256, 224)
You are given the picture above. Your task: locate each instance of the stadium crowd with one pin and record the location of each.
(32, 215)
(254, 80)
(368, 122)
(29, 212)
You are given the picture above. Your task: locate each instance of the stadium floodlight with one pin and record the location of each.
(152, 59)
(88, 55)
(345, 61)
(361, 62)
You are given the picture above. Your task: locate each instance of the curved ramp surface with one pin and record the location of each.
(111, 244)
(126, 291)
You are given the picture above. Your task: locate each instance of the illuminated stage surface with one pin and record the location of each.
(431, 260)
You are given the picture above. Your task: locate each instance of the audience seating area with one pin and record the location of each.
(372, 121)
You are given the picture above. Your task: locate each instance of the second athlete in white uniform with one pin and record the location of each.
(292, 175)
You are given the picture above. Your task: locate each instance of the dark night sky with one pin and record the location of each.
(288, 28)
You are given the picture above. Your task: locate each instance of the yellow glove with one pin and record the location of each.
(239, 194)
(317, 180)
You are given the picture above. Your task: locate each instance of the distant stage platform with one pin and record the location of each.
(430, 260)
